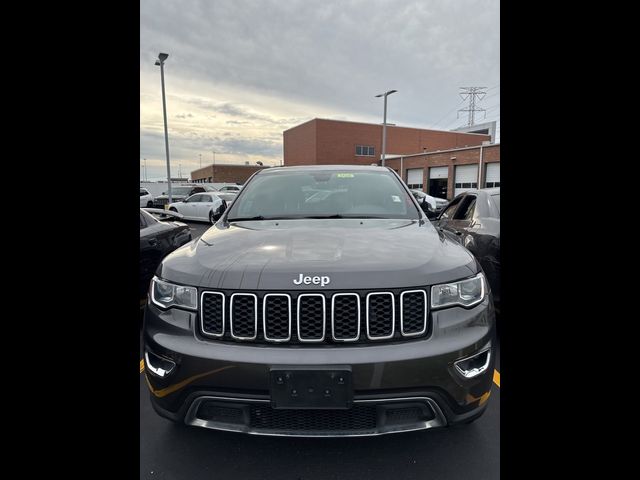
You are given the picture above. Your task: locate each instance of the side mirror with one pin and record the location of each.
(431, 215)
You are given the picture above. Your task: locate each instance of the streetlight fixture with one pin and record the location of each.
(160, 62)
(384, 123)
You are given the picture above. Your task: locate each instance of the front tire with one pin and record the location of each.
(173, 209)
(212, 217)
(149, 204)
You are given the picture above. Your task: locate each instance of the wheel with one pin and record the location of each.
(212, 217)
(149, 204)
(173, 209)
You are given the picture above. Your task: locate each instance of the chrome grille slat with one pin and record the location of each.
(349, 310)
(311, 311)
(414, 308)
(380, 311)
(272, 317)
(243, 316)
(212, 313)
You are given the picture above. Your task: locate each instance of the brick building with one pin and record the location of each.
(446, 173)
(441, 163)
(224, 173)
(321, 141)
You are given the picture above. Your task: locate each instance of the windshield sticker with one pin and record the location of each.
(344, 175)
(396, 198)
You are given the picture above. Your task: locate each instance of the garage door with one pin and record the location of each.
(466, 178)
(438, 172)
(414, 178)
(492, 175)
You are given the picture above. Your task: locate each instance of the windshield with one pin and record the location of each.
(323, 194)
(180, 190)
(496, 199)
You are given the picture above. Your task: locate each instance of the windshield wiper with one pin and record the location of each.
(258, 217)
(240, 219)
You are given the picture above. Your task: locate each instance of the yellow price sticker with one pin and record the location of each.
(344, 175)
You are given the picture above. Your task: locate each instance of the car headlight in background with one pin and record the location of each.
(465, 292)
(165, 295)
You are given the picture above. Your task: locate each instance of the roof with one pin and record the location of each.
(388, 125)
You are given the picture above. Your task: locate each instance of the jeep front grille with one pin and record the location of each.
(315, 318)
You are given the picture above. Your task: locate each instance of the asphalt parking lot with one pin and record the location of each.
(173, 451)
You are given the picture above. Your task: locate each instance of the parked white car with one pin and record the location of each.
(146, 199)
(231, 188)
(200, 206)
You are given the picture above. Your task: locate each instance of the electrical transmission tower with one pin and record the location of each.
(472, 93)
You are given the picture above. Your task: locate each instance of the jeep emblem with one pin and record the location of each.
(307, 280)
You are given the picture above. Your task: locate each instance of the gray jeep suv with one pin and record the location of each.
(322, 303)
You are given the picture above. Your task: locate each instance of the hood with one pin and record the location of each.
(353, 253)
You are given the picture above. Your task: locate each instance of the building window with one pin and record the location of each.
(365, 151)
(467, 185)
(493, 184)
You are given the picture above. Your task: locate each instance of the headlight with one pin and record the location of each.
(165, 295)
(465, 292)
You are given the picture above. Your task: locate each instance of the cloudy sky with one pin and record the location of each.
(241, 72)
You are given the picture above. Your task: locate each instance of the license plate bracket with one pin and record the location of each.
(294, 387)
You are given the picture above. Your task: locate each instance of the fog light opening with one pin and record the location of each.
(473, 366)
(157, 365)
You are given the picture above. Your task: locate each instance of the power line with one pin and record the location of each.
(448, 113)
(473, 94)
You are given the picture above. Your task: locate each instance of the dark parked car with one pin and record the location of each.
(180, 192)
(157, 239)
(473, 219)
(322, 303)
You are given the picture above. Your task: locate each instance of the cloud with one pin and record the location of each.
(254, 69)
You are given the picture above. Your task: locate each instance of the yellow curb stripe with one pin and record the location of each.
(141, 365)
(163, 392)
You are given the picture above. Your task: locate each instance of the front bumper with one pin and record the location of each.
(407, 385)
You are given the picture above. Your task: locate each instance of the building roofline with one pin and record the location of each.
(299, 125)
(388, 125)
(232, 165)
(332, 167)
(433, 152)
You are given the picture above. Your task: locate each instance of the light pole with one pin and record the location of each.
(200, 160)
(160, 62)
(384, 122)
(145, 169)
